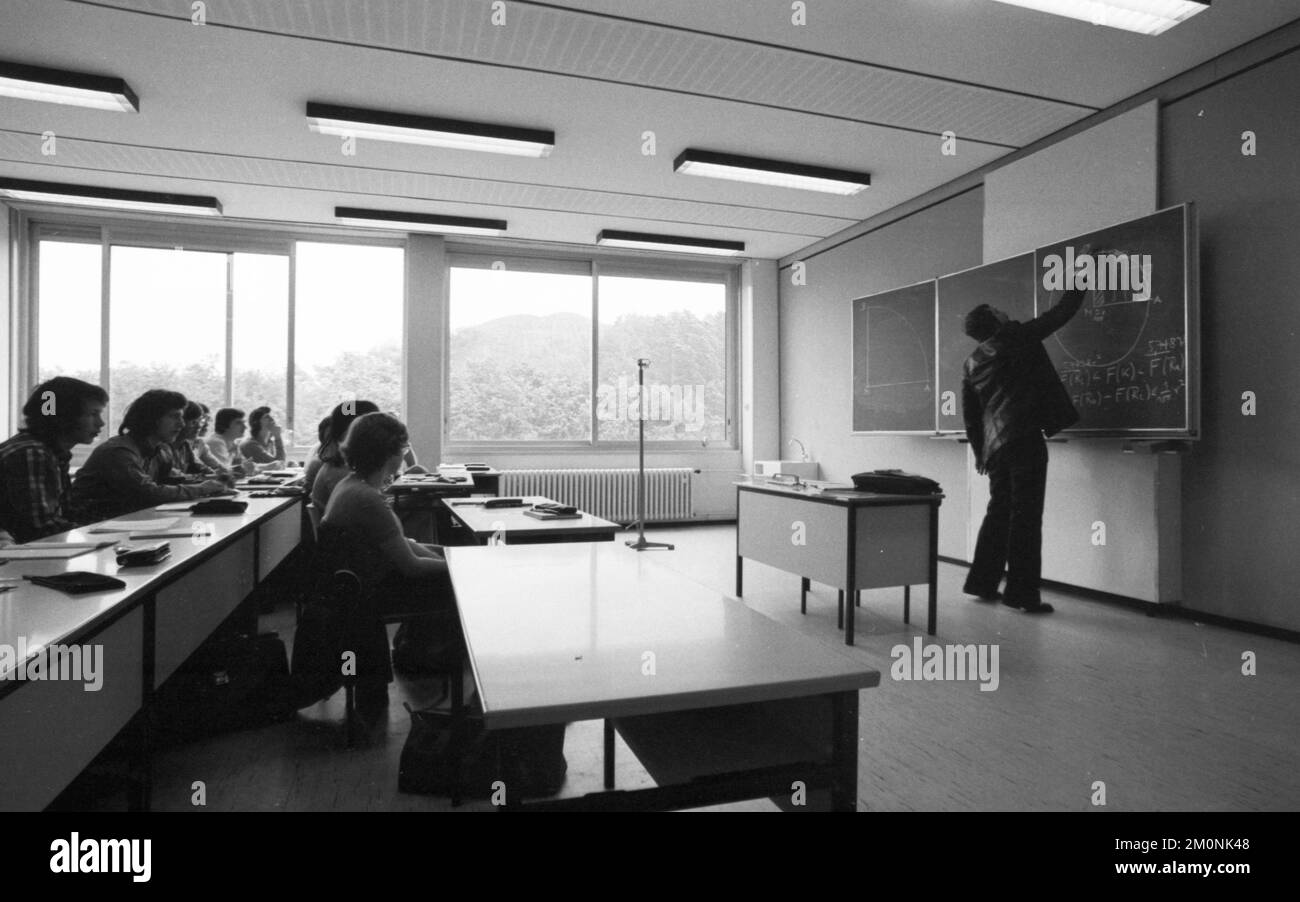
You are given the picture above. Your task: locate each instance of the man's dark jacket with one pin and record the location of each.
(1011, 389)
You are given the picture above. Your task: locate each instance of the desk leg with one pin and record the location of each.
(844, 751)
(609, 753)
(804, 584)
(839, 610)
(851, 576)
(934, 568)
(740, 572)
(907, 604)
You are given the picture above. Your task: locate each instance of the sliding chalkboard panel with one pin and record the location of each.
(1008, 285)
(1129, 357)
(893, 360)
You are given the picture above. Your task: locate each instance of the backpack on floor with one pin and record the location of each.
(441, 754)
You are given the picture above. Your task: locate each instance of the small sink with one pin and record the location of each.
(801, 468)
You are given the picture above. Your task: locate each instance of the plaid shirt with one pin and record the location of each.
(34, 488)
(1011, 389)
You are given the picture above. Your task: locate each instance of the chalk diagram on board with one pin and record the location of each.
(895, 347)
(1109, 325)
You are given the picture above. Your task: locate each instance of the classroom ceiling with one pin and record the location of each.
(864, 84)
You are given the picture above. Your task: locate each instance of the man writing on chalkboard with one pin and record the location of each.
(1011, 398)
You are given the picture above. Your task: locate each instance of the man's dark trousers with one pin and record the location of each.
(1011, 536)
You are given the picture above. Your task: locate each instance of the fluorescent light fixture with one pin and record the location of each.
(1143, 16)
(648, 242)
(410, 129)
(76, 88)
(770, 172)
(420, 222)
(109, 198)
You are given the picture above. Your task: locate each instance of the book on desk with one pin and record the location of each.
(543, 514)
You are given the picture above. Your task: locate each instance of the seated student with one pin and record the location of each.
(333, 467)
(200, 442)
(186, 459)
(125, 473)
(228, 429)
(314, 462)
(34, 482)
(396, 572)
(264, 444)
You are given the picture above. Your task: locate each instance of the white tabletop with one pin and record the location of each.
(46, 616)
(513, 521)
(567, 632)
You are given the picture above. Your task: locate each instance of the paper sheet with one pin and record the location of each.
(18, 553)
(136, 525)
(176, 506)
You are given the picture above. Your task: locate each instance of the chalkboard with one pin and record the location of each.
(893, 360)
(1008, 285)
(1129, 357)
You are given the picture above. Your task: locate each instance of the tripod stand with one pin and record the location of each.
(640, 543)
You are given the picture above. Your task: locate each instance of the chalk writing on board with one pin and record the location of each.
(1156, 376)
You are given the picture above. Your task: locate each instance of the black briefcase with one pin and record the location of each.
(895, 482)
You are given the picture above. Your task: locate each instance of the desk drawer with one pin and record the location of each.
(277, 538)
(190, 609)
(51, 729)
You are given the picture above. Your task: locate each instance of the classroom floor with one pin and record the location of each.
(1155, 708)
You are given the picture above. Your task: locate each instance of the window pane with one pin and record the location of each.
(680, 327)
(167, 325)
(348, 330)
(260, 335)
(520, 356)
(68, 343)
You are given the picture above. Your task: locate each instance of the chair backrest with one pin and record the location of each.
(342, 548)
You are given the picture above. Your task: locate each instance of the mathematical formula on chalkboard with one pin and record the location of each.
(1129, 358)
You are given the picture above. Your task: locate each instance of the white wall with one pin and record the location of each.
(1097, 178)
(760, 371)
(8, 294)
(426, 301)
(816, 347)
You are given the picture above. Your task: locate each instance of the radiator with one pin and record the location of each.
(610, 494)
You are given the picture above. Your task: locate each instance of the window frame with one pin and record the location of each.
(693, 270)
(108, 229)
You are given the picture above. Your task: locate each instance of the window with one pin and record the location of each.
(213, 320)
(166, 325)
(348, 326)
(520, 355)
(68, 319)
(259, 347)
(525, 364)
(681, 328)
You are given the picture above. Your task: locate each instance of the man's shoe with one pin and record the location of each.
(1034, 607)
(991, 595)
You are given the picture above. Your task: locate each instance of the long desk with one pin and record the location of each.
(517, 528)
(852, 540)
(52, 729)
(560, 633)
(417, 499)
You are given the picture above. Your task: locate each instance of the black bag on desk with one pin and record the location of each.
(78, 582)
(895, 482)
(528, 760)
(235, 681)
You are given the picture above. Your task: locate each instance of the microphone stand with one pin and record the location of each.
(640, 543)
